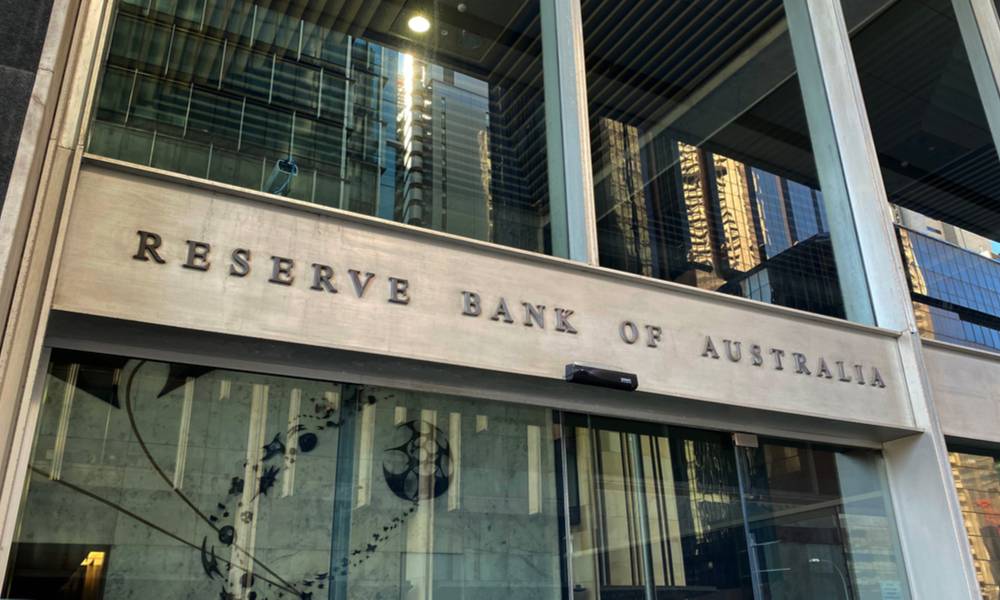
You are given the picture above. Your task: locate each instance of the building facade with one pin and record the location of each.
(543, 299)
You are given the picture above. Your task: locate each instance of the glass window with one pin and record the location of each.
(938, 162)
(150, 479)
(347, 106)
(703, 166)
(820, 523)
(654, 513)
(977, 477)
(666, 512)
(951, 277)
(155, 480)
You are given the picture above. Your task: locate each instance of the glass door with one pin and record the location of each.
(818, 523)
(654, 512)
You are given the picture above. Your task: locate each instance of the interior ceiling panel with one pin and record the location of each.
(648, 59)
(648, 56)
(717, 74)
(930, 130)
(477, 37)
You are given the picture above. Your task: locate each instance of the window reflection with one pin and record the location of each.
(955, 291)
(172, 481)
(664, 512)
(654, 512)
(150, 479)
(820, 524)
(977, 477)
(340, 104)
(703, 165)
(938, 162)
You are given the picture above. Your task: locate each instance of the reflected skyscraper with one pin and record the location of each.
(738, 246)
(977, 482)
(680, 212)
(444, 127)
(700, 256)
(621, 199)
(772, 212)
(955, 290)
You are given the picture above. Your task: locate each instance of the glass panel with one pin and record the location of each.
(938, 162)
(703, 166)
(346, 105)
(820, 524)
(977, 477)
(954, 289)
(156, 480)
(654, 513)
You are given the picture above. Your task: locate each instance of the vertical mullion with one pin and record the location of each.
(563, 483)
(131, 95)
(571, 189)
(187, 111)
(980, 28)
(348, 110)
(642, 516)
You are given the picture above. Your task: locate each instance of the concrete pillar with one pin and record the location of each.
(571, 184)
(936, 551)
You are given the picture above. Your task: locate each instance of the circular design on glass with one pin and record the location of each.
(307, 442)
(420, 467)
(227, 534)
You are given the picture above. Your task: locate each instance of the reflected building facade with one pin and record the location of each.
(977, 479)
(955, 289)
(262, 98)
(675, 211)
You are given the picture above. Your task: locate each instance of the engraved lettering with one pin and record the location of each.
(628, 332)
(533, 313)
(822, 367)
(777, 353)
(241, 263)
(709, 350)
(877, 378)
(281, 270)
(738, 355)
(654, 335)
(197, 256)
(322, 275)
(471, 305)
(502, 312)
(841, 374)
(399, 290)
(823, 370)
(562, 320)
(360, 286)
(800, 363)
(149, 243)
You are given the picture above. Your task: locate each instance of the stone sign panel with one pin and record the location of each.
(172, 254)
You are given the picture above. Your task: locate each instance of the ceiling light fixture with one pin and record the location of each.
(419, 24)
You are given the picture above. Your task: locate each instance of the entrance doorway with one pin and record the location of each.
(659, 512)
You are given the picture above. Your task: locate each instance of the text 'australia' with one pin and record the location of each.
(795, 362)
